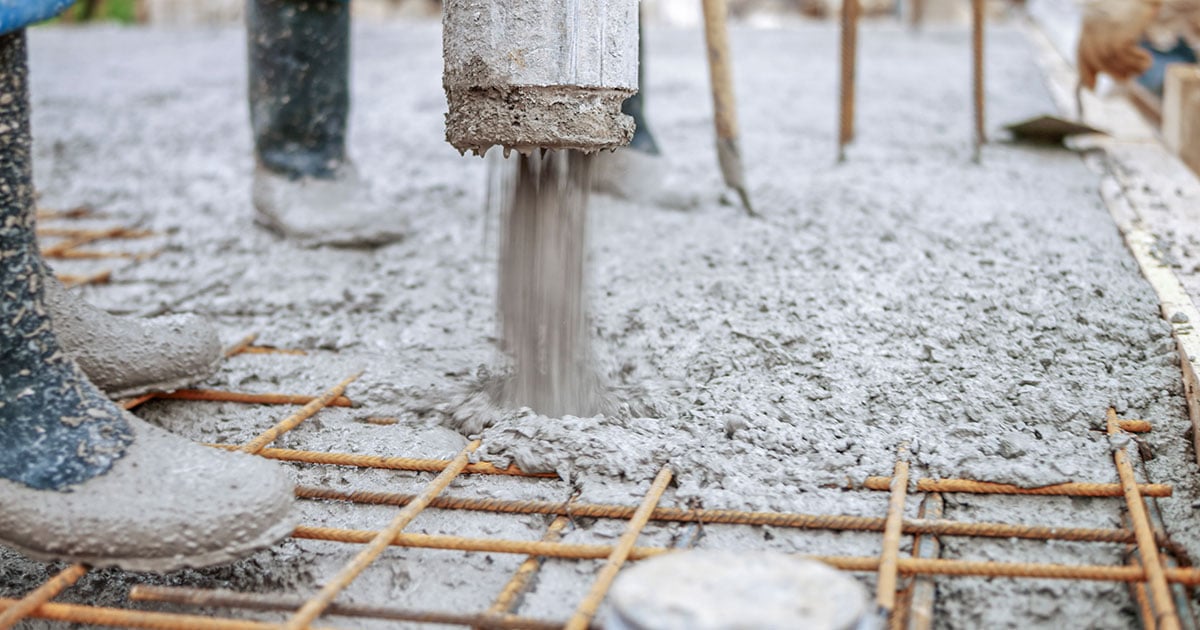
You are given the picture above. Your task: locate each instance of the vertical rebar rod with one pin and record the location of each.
(620, 552)
(1160, 591)
(977, 23)
(319, 602)
(849, 60)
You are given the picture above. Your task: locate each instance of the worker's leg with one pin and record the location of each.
(123, 356)
(299, 69)
(80, 479)
(299, 84)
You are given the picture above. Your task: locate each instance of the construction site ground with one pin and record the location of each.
(987, 315)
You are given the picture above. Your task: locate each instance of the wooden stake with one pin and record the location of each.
(724, 108)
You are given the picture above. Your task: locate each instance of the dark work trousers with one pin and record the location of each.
(299, 84)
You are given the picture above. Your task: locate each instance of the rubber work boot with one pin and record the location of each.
(80, 479)
(305, 188)
(128, 356)
(313, 211)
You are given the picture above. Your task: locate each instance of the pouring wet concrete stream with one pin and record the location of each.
(987, 314)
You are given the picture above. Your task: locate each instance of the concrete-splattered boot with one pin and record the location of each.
(304, 187)
(80, 479)
(129, 356)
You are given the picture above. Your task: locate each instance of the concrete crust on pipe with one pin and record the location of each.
(523, 75)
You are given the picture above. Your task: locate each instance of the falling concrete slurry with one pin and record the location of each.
(985, 314)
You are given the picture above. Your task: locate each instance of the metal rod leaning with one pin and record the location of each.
(620, 552)
(1160, 592)
(292, 421)
(889, 557)
(259, 601)
(906, 566)
(40, 595)
(734, 517)
(385, 537)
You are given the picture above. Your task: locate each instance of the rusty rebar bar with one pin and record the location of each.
(92, 616)
(388, 463)
(1160, 592)
(187, 596)
(1072, 489)
(213, 395)
(40, 595)
(72, 280)
(620, 553)
(1138, 590)
(91, 254)
(241, 345)
(274, 350)
(521, 579)
(889, 558)
(1134, 426)
(380, 542)
(89, 236)
(906, 566)
(119, 232)
(919, 615)
(287, 424)
(137, 401)
(936, 527)
(78, 212)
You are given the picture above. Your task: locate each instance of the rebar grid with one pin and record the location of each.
(72, 238)
(503, 612)
(42, 594)
(1160, 594)
(319, 602)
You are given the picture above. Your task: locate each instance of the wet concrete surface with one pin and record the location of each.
(985, 314)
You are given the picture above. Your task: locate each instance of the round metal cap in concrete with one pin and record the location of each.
(724, 590)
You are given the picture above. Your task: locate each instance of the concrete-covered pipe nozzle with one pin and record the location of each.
(526, 74)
